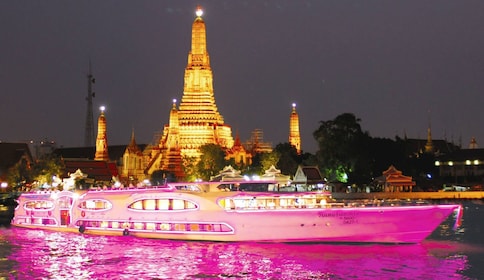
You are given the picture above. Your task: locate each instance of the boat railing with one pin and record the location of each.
(282, 203)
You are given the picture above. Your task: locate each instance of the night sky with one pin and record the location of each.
(397, 65)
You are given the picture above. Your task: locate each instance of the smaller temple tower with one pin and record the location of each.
(294, 136)
(239, 154)
(133, 161)
(171, 158)
(102, 139)
(429, 146)
(473, 144)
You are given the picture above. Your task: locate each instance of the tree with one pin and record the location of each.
(289, 159)
(211, 161)
(46, 167)
(19, 174)
(342, 155)
(190, 168)
(268, 159)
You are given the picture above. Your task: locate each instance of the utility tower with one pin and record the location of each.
(89, 133)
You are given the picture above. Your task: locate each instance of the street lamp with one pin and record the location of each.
(4, 186)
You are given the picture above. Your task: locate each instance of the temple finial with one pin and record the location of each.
(199, 11)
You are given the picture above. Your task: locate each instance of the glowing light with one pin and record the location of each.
(199, 11)
(102, 108)
(476, 162)
(174, 101)
(468, 162)
(437, 163)
(451, 163)
(293, 105)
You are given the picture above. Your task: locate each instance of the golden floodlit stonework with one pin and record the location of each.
(197, 121)
(294, 136)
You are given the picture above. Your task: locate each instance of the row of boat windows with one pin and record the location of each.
(37, 221)
(101, 204)
(163, 204)
(95, 204)
(38, 205)
(151, 226)
(63, 202)
(272, 203)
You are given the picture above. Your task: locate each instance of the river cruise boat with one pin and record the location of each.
(222, 212)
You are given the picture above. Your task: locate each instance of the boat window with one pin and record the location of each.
(162, 204)
(65, 201)
(178, 204)
(95, 204)
(38, 204)
(149, 204)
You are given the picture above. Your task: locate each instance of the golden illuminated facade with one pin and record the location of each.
(197, 121)
(294, 136)
(238, 153)
(102, 139)
(133, 161)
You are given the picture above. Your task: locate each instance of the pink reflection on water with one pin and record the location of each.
(52, 255)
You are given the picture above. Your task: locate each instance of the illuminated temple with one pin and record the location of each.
(294, 136)
(196, 121)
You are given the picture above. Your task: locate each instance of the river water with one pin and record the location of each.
(446, 254)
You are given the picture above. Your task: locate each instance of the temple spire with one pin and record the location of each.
(132, 146)
(102, 139)
(294, 136)
(196, 121)
(198, 55)
(429, 146)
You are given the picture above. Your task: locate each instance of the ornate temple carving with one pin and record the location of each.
(133, 161)
(197, 121)
(239, 154)
(102, 139)
(294, 136)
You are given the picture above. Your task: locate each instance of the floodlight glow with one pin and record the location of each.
(102, 108)
(199, 11)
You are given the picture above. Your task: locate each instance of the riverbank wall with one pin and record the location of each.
(472, 195)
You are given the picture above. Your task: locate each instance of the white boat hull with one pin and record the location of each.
(210, 221)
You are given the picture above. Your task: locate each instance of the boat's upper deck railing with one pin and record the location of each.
(298, 201)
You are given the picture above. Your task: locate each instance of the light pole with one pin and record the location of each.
(4, 186)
